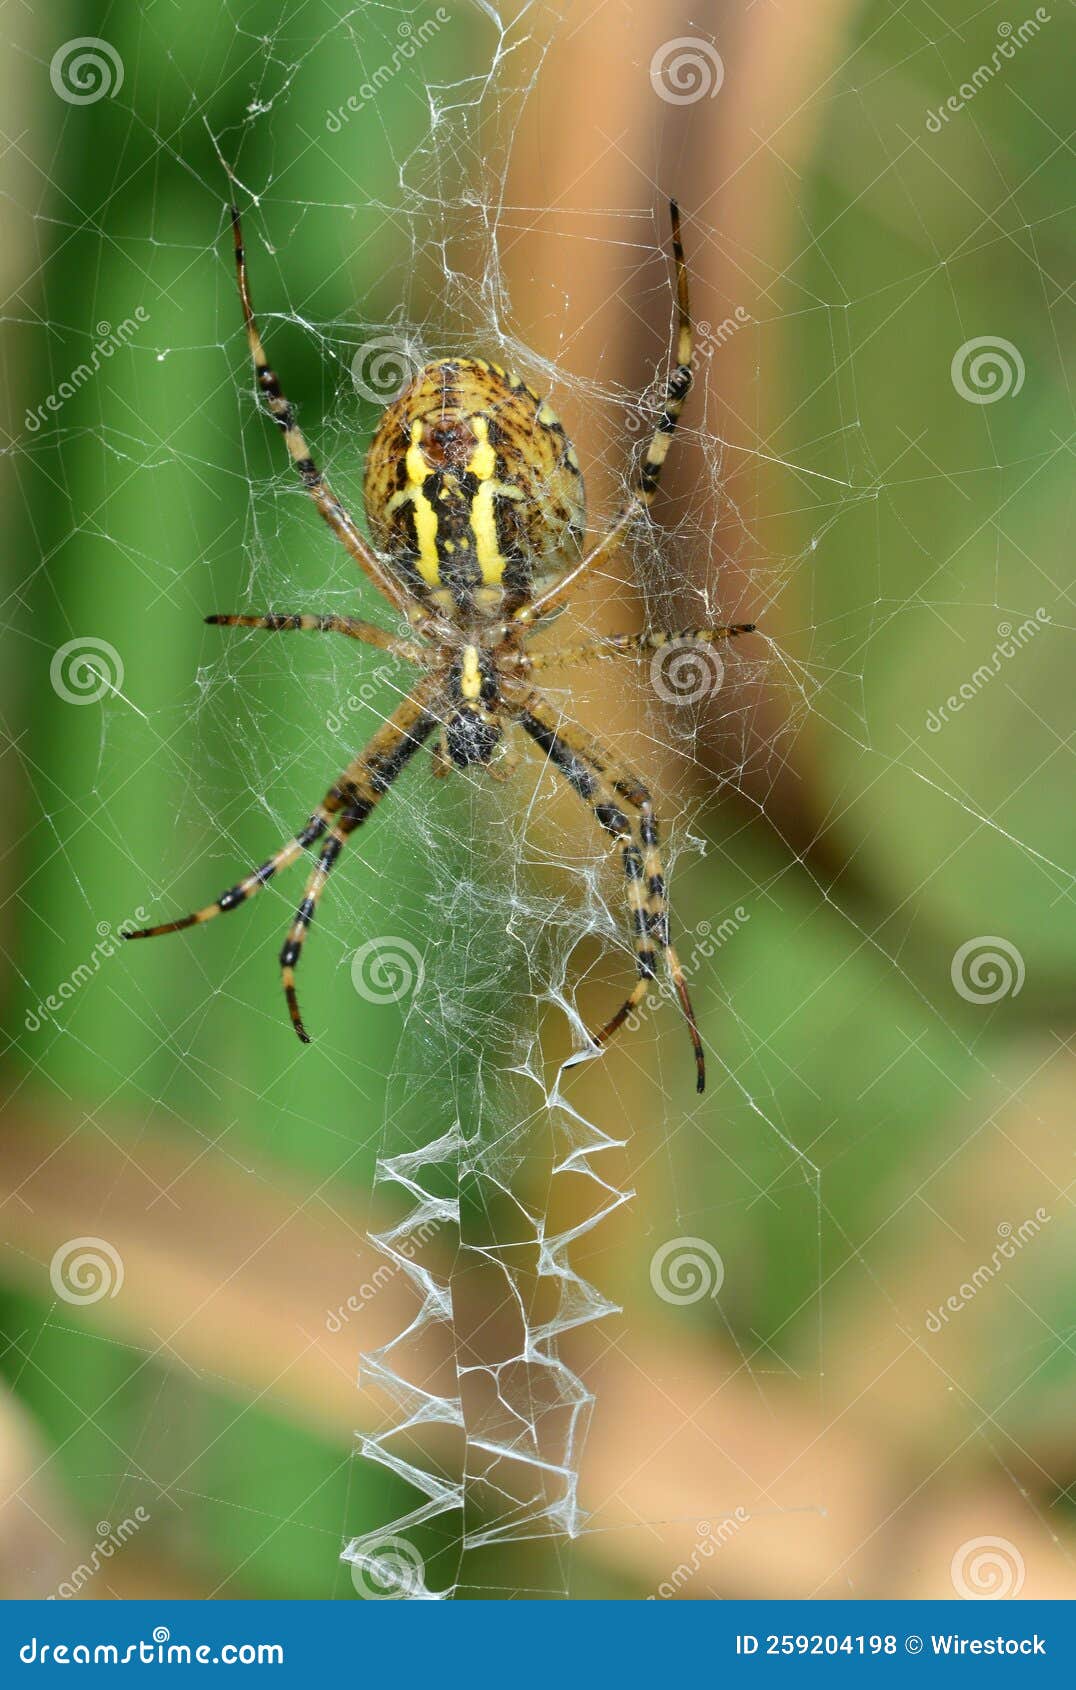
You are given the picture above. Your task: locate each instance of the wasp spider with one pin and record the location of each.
(474, 501)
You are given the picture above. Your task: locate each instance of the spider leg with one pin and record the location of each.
(246, 888)
(352, 626)
(632, 645)
(338, 519)
(645, 485)
(440, 762)
(354, 798)
(589, 771)
(351, 799)
(304, 915)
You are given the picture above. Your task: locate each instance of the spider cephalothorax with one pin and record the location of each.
(475, 505)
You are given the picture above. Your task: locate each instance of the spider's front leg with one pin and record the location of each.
(645, 481)
(591, 773)
(347, 804)
(331, 510)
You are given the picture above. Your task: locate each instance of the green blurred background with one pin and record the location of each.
(871, 1130)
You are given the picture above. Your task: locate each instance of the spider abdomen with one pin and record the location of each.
(472, 489)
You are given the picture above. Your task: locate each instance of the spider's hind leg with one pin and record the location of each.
(589, 771)
(353, 800)
(345, 806)
(246, 888)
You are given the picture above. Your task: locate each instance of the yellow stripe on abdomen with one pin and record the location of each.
(484, 529)
(482, 465)
(428, 564)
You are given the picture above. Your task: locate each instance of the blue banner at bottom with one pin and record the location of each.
(542, 1643)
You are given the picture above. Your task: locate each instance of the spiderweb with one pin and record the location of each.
(503, 1169)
